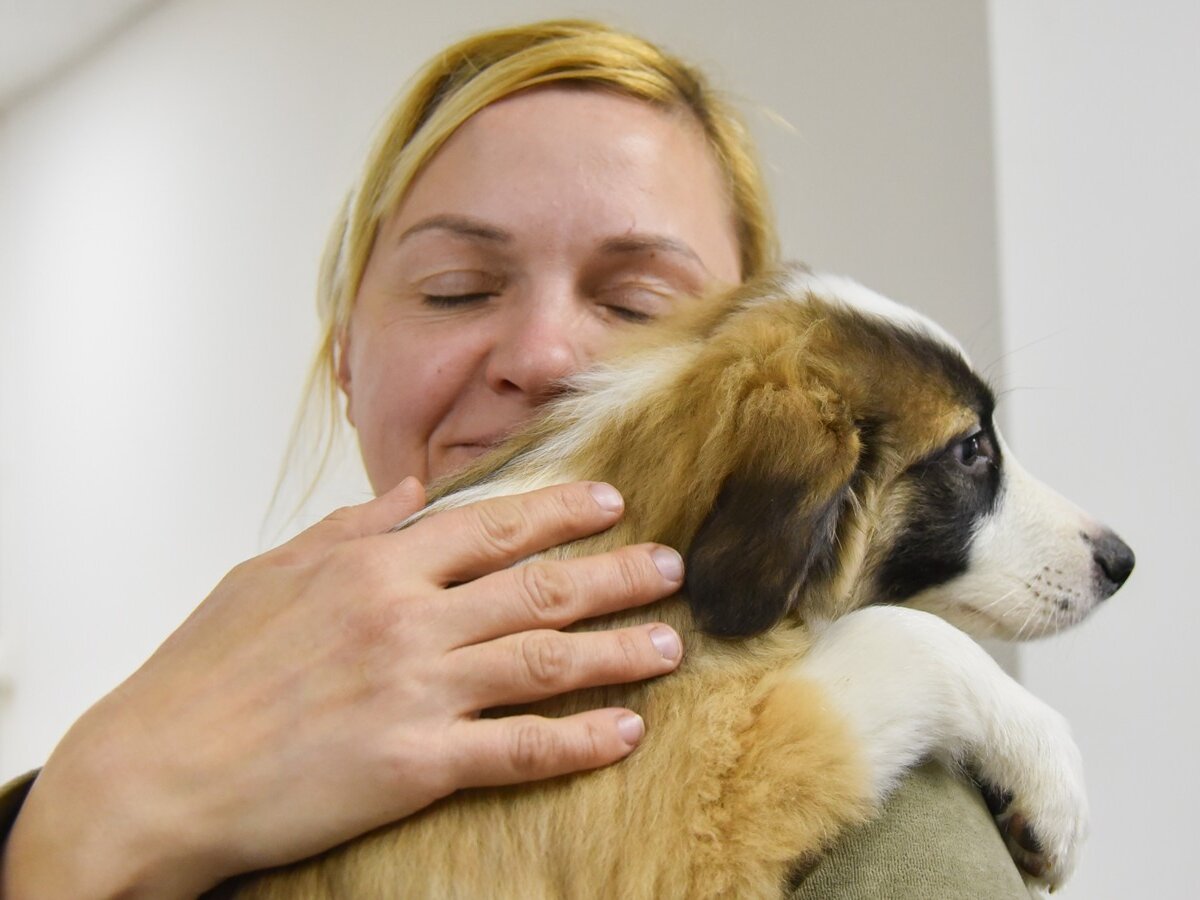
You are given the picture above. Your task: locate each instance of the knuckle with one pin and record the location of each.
(339, 523)
(533, 748)
(294, 554)
(411, 766)
(630, 574)
(574, 504)
(594, 743)
(547, 589)
(287, 556)
(546, 659)
(501, 525)
(340, 515)
(395, 762)
(630, 651)
(248, 569)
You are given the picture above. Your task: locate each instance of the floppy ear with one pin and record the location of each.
(753, 555)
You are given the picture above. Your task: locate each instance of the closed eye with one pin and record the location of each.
(630, 315)
(635, 302)
(459, 288)
(453, 301)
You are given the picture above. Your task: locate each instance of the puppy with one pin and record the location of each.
(828, 463)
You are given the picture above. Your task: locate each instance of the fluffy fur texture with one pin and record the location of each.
(824, 458)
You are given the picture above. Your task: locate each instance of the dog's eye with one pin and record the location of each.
(975, 452)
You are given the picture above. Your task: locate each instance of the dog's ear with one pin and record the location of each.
(761, 544)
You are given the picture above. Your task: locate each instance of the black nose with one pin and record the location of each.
(1114, 559)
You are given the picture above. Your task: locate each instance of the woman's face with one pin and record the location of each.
(550, 223)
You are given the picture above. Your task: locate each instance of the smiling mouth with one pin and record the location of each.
(481, 445)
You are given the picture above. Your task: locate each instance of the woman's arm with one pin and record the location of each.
(333, 685)
(934, 839)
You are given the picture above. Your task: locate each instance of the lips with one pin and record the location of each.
(483, 443)
(460, 453)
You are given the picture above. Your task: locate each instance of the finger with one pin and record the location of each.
(516, 749)
(533, 665)
(371, 518)
(465, 543)
(556, 593)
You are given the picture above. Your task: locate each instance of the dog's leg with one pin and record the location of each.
(914, 687)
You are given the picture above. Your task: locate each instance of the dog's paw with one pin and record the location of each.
(1022, 840)
(1035, 791)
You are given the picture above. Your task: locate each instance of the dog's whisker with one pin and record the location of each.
(1002, 598)
(1028, 621)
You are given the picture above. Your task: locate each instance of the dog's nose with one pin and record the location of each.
(1114, 559)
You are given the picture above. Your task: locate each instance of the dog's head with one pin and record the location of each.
(856, 461)
(813, 448)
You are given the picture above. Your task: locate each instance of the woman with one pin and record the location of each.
(539, 191)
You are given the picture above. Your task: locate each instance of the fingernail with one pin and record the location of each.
(666, 642)
(631, 728)
(607, 497)
(669, 563)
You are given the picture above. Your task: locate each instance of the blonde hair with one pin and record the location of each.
(462, 80)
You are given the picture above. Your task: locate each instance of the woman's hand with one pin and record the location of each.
(333, 685)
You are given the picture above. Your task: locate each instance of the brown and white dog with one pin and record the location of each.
(828, 463)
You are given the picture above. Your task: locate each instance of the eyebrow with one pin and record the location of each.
(461, 225)
(626, 243)
(643, 243)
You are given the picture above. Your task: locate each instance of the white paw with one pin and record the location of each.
(1032, 780)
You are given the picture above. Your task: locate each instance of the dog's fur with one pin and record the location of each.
(821, 456)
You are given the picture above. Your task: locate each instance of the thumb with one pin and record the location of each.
(396, 505)
(373, 517)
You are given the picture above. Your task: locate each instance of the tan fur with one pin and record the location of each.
(745, 770)
(722, 816)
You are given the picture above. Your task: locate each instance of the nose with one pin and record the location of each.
(1113, 558)
(537, 347)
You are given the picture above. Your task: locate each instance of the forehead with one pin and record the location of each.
(581, 161)
(587, 134)
(559, 109)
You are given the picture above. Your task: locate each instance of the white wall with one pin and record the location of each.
(1098, 159)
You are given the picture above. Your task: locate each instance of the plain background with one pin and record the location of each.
(1029, 173)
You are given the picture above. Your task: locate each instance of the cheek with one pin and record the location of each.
(399, 390)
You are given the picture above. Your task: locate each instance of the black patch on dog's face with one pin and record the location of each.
(955, 489)
(951, 495)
